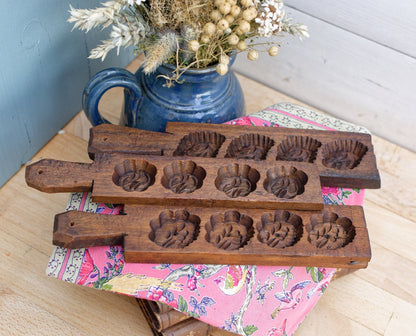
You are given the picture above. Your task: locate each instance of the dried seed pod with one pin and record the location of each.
(247, 3)
(252, 55)
(224, 59)
(235, 11)
(244, 26)
(229, 18)
(250, 14)
(242, 45)
(222, 69)
(223, 24)
(225, 8)
(205, 38)
(193, 45)
(233, 39)
(210, 28)
(216, 15)
(273, 51)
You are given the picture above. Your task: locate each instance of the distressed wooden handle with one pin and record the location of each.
(55, 176)
(77, 229)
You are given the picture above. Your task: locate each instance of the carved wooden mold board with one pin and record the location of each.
(343, 159)
(333, 237)
(127, 178)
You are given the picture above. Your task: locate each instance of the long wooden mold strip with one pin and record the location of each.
(127, 178)
(343, 159)
(335, 237)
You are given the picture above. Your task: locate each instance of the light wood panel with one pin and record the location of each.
(345, 75)
(390, 23)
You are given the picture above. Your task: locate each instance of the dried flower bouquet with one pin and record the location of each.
(189, 33)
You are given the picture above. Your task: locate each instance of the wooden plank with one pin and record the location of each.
(194, 235)
(345, 75)
(387, 23)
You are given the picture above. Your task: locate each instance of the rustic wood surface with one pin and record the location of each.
(191, 235)
(362, 172)
(180, 181)
(378, 300)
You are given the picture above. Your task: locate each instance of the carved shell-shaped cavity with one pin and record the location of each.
(134, 175)
(230, 230)
(201, 144)
(279, 229)
(249, 146)
(237, 180)
(183, 176)
(343, 154)
(329, 231)
(298, 148)
(174, 229)
(285, 183)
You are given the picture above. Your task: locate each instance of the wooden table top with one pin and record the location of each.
(379, 300)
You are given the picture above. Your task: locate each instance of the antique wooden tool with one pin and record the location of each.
(333, 237)
(343, 159)
(128, 178)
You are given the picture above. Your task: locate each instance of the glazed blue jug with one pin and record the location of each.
(201, 95)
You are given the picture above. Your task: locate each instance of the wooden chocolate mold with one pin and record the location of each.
(123, 178)
(335, 237)
(343, 159)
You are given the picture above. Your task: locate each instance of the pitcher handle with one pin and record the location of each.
(103, 81)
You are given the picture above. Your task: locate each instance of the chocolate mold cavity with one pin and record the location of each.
(285, 183)
(200, 144)
(249, 146)
(134, 175)
(298, 148)
(279, 229)
(174, 229)
(343, 154)
(183, 176)
(230, 230)
(330, 231)
(237, 180)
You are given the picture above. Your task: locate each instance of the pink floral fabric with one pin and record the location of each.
(245, 299)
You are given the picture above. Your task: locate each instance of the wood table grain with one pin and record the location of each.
(379, 300)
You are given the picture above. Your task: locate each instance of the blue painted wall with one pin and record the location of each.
(43, 70)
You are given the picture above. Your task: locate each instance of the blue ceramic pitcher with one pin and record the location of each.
(201, 96)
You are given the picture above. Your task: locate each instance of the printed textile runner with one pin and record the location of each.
(244, 299)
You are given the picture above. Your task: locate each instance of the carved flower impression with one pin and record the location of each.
(200, 144)
(279, 229)
(330, 231)
(183, 176)
(249, 146)
(174, 229)
(229, 230)
(298, 148)
(343, 154)
(236, 180)
(285, 183)
(134, 175)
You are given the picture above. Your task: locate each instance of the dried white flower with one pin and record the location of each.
(270, 17)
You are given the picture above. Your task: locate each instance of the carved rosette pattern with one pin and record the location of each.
(236, 180)
(285, 183)
(200, 144)
(330, 231)
(183, 177)
(174, 229)
(298, 148)
(134, 175)
(343, 154)
(230, 230)
(279, 229)
(249, 146)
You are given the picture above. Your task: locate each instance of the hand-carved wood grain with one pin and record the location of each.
(225, 235)
(200, 144)
(298, 148)
(285, 184)
(330, 231)
(250, 146)
(279, 229)
(183, 177)
(174, 229)
(230, 230)
(237, 180)
(343, 154)
(134, 175)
